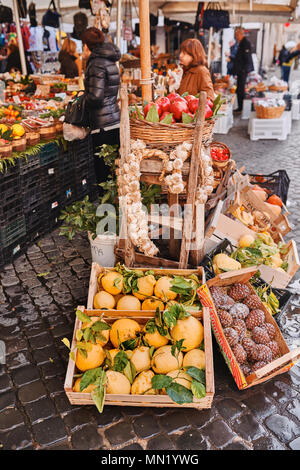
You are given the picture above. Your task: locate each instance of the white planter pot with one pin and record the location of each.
(102, 248)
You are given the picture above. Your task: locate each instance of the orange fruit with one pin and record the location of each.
(95, 357)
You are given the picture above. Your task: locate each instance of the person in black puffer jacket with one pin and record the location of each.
(102, 81)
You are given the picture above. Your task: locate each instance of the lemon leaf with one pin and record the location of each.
(66, 342)
(100, 326)
(179, 394)
(121, 361)
(160, 381)
(198, 389)
(196, 373)
(89, 377)
(98, 394)
(82, 316)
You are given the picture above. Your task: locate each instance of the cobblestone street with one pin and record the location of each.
(38, 296)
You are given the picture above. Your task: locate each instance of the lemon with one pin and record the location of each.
(142, 384)
(194, 358)
(163, 360)
(140, 358)
(17, 130)
(128, 302)
(117, 383)
(3, 128)
(180, 377)
(122, 330)
(104, 333)
(112, 282)
(152, 304)
(104, 300)
(190, 330)
(145, 287)
(156, 339)
(88, 389)
(95, 357)
(162, 289)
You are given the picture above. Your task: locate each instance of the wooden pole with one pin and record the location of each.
(145, 50)
(20, 39)
(119, 23)
(209, 46)
(191, 189)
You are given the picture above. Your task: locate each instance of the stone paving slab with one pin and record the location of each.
(38, 296)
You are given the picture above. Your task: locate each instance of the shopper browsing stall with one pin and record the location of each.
(70, 63)
(14, 60)
(102, 81)
(243, 65)
(196, 76)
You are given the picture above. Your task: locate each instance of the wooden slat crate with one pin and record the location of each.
(97, 270)
(110, 316)
(278, 366)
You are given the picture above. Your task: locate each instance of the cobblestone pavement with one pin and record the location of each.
(38, 295)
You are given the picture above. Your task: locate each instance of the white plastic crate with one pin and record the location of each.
(246, 109)
(288, 117)
(224, 123)
(296, 110)
(268, 128)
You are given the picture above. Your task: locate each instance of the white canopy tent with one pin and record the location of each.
(272, 12)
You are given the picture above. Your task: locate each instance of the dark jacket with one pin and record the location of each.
(102, 81)
(243, 59)
(68, 66)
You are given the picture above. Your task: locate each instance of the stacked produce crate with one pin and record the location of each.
(38, 187)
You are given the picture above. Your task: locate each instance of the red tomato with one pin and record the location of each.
(166, 114)
(172, 96)
(208, 112)
(164, 104)
(193, 105)
(178, 107)
(149, 105)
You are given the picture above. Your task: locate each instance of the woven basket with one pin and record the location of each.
(168, 135)
(6, 150)
(219, 164)
(269, 113)
(48, 133)
(277, 88)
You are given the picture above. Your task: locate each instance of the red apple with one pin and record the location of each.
(164, 104)
(189, 97)
(149, 106)
(209, 102)
(166, 114)
(172, 96)
(178, 107)
(193, 105)
(208, 112)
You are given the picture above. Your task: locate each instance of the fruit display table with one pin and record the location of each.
(36, 185)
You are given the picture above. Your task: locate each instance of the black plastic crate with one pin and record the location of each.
(30, 163)
(52, 211)
(277, 183)
(11, 252)
(49, 153)
(85, 184)
(9, 185)
(12, 232)
(283, 295)
(83, 149)
(10, 210)
(67, 193)
(50, 181)
(35, 221)
(66, 162)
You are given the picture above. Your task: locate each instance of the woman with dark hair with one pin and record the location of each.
(14, 61)
(70, 64)
(102, 81)
(196, 76)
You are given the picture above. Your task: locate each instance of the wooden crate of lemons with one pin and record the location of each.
(138, 357)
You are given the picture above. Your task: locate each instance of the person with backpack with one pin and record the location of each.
(286, 57)
(243, 65)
